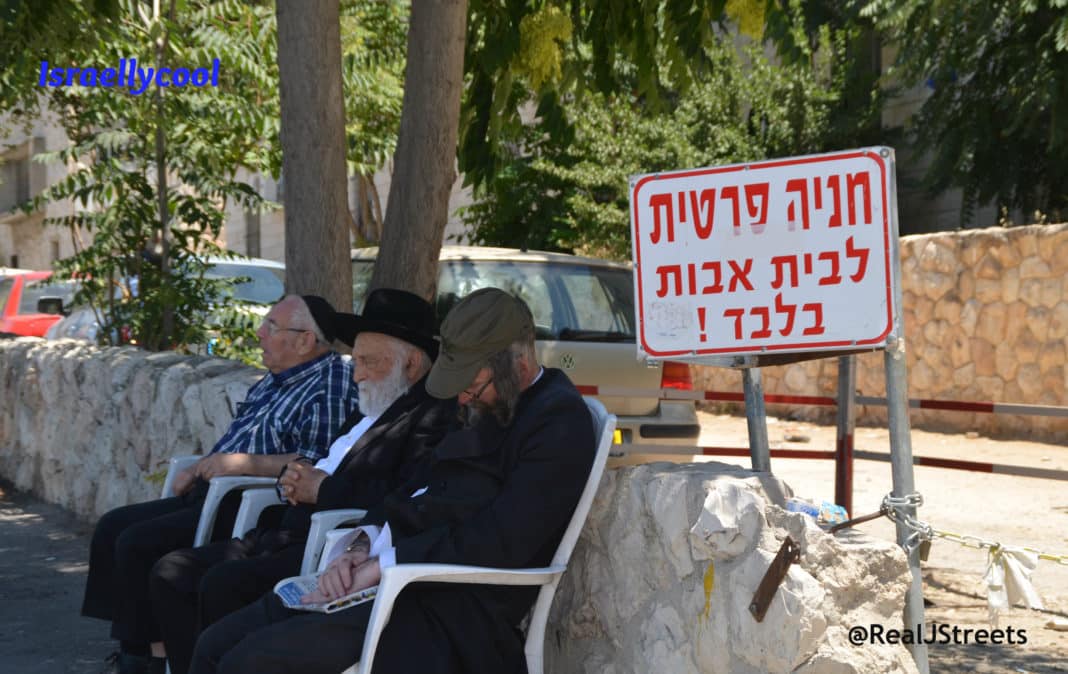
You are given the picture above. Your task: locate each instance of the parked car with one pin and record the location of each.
(19, 296)
(262, 283)
(585, 325)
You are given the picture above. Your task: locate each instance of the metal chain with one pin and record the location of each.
(921, 531)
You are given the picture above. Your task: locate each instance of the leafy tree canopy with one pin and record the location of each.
(156, 172)
(995, 123)
(569, 191)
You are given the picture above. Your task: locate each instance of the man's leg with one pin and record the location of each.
(100, 590)
(267, 638)
(236, 583)
(174, 585)
(137, 550)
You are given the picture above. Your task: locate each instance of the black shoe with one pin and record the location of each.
(125, 663)
(157, 665)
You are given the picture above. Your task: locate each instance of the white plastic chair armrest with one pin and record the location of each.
(322, 522)
(177, 465)
(253, 503)
(396, 578)
(219, 487)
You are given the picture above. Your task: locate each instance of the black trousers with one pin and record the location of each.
(193, 588)
(126, 543)
(434, 629)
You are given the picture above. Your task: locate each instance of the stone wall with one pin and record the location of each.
(85, 427)
(986, 319)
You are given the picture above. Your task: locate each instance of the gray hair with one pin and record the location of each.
(403, 350)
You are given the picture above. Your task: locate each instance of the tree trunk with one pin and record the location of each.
(313, 151)
(425, 161)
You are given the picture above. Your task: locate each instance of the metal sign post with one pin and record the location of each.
(774, 262)
(756, 418)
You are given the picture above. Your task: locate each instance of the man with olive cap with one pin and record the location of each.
(375, 452)
(498, 493)
(293, 411)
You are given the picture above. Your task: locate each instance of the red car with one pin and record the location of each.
(18, 302)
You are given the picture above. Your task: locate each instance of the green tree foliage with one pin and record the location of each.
(141, 258)
(996, 121)
(153, 173)
(574, 195)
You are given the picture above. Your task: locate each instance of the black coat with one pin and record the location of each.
(497, 497)
(385, 456)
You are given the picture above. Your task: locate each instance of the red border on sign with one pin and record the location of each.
(805, 346)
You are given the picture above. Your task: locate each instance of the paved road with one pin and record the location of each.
(43, 563)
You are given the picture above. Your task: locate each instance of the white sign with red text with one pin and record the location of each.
(785, 255)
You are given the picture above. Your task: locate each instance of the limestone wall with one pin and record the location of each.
(84, 427)
(986, 319)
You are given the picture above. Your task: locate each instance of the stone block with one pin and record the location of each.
(1052, 356)
(1034, 268)
(964, 376)
(1015, 321)
(1026, 347)
(949, 309)
(1057, 253)
(991, 323)
(1058, 322)
(969, 316)
(1005, 362)
(960, 349)
(937, 254)
(989, 269)
(989, 388)
(1029, 379)
(983, 355)
(989, 291)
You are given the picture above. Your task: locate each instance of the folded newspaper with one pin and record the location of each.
(290, 590)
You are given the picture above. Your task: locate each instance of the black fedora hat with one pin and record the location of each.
(397, 313)
(330, 322)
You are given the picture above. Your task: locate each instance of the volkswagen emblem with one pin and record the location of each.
(567, 361)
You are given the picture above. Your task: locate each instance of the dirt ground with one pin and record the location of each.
(1011, 510)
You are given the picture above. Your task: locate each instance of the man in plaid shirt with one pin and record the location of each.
(292, 412)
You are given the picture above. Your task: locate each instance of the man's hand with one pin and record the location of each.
(218, 464)
(184, 480)
(300, 482)
(344, 575)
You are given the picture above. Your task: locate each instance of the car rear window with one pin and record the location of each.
(570, 302)
(31, 292)
(5, 290)
(263, 285)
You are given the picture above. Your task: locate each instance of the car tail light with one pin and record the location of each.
(676, 376)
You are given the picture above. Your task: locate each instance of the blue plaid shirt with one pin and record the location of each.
(298, 410)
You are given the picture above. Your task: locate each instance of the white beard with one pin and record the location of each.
(376, 397)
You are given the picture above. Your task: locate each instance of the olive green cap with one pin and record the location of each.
(482, 324)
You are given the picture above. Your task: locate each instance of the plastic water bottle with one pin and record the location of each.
(825, 513)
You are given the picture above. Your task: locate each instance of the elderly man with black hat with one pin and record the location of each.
(291, 412)
(497, 493)
(373, 455)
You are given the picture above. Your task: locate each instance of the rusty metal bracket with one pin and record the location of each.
(883, 512)
(789, 553)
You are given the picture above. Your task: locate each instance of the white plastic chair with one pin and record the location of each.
(217, 489)
(394, 579)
